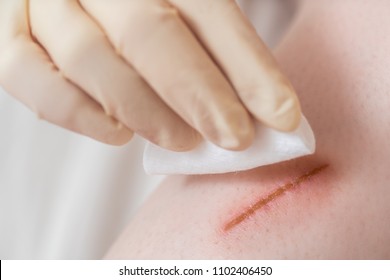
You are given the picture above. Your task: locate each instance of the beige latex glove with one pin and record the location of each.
(171, 71)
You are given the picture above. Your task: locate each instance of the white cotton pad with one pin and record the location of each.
(269, 146)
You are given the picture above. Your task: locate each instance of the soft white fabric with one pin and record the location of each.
(63, 196)
(269, 146)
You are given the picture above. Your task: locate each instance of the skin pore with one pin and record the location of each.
(336, 54)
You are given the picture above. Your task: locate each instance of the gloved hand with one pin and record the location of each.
(169, 70)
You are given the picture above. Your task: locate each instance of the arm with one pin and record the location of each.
(337, 57)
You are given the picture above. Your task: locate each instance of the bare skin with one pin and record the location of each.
(337, 56)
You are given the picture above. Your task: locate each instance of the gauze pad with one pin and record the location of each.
(269, 146)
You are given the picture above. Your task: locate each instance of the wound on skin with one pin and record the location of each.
(272, 196)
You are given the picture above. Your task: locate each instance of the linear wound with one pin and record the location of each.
(272, 196)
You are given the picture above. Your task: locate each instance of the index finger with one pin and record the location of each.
(245, 59)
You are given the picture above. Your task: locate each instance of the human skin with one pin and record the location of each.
(336, 55)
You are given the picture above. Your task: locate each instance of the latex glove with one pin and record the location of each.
(167, 70)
